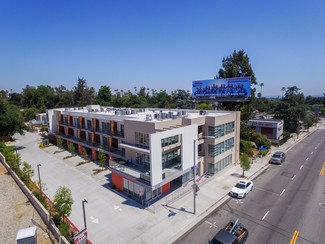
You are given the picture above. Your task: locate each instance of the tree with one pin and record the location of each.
(11, 119)
(104, 96)
(245, 163)
(205, 106)
(101, 157)
(261, 85)
(28, 172)
(59, 142)
(236, 65)
(30, 113)
(63, 201)
(291, 109)
(182, 99)
(71, 148)
(82, 94)
(283, 90)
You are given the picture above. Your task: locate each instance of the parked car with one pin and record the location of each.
(278, 158)
(241, 189)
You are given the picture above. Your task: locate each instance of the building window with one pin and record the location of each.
(220, 165)
(88, 124)
(170, 158)
(143, 160)
(75, 122)
(169, 141)
(215, 150)
(142, 139)
(221, 130)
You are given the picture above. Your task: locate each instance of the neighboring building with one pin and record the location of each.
(39, 121)
(271, 128)
(151, 151)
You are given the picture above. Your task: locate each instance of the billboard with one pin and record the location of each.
(227, 89)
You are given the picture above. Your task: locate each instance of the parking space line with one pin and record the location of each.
(307, 159)
(211, 224)
(311, 152)
(301, 166)
(293, 177)
(282, 192)
(266, 214)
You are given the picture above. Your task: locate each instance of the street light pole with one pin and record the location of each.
(194, 182)
(39, 177)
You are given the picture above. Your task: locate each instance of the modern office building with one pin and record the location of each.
(151, 151)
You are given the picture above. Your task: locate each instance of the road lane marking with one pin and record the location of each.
(322, 170)
(293, 177)
(282, 192)
(266, 214)
(315, 148)
(294, 237)
(311, 152)
(301, 166)
(307, 159)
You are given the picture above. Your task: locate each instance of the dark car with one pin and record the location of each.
(278, 158)
(233, 233)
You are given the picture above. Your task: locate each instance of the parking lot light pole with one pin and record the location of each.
(39, 177)
(84, 213)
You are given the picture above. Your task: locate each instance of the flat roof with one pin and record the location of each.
(142, 114)
(266, 120)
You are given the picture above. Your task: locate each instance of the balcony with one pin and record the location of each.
(117, 133)
(140, 173)
(103, 131)
(64, 122)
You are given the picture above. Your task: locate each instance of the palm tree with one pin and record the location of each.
(283, 89)
(261, 85)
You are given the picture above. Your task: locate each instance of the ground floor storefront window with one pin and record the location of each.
(138, 192)
(220, 165)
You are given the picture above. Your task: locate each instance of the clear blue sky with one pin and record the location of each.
(160, 44)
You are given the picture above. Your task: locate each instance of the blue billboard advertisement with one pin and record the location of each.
(236, 88)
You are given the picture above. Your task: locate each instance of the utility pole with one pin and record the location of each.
(194, 176)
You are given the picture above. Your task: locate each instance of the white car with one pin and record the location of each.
(241, 189)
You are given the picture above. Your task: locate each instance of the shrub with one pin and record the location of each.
(40, 198)
(263, 141)
(64, 229)
(41, 145)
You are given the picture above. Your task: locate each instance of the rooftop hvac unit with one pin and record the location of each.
(183, 112)
(174, 116)
(170, 114)
(133, 111)
(179, 113)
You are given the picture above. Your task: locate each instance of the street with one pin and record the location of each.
(285, 198)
